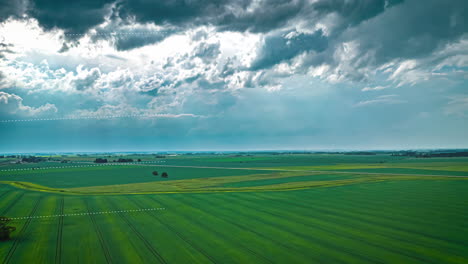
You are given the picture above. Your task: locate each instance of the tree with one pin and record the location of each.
(33, 159)
(5, 230)
(100, 160)
(164, 175)
(155, 173)
(125, 160)
(139, 160)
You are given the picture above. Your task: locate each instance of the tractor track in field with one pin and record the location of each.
(104, 247)
(21, 232)
(3, 193)
(148, 245)
(245, 228)
(58, 248)
(189, 242)
(359, 218)
(324, 243)
(12, 203)
(217, 233)
(351, 237)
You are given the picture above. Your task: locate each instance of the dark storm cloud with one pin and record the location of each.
(127, 37)
(234, 15)
(384, 29)
(131, 42)
(413, 30)
(173, 11)
(12, 8)
(353, 12)
(268, 15)
(407, 30)
(225, 15)
(287, 45)
(71, 16)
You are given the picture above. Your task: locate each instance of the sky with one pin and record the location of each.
(138, 75)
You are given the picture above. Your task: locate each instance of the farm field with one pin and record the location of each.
(310, 208)
(234, 132)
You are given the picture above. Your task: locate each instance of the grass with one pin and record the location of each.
(238, 216)
(453, 168)
(111, 175)
(247, 183)
(290, 178)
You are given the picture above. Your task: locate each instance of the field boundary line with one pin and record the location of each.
(177, 233)
(322, 225)
(102, 242)
(88, 213)
(16, 199)
(219, 234)
(267, 223)
(142, 238)
(318, 241)
(315, 171)
(13, 248)
(58, 248)
(83, 166)
(4, 193)
(245, 228)
(154, 164)
(364, 218)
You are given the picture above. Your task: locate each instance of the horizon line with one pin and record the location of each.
(233, 151)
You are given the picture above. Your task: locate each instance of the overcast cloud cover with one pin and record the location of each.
(239, 74)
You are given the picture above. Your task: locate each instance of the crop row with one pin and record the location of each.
(373, 223)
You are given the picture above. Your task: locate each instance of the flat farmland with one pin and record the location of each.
(256, 214)
(98, 175)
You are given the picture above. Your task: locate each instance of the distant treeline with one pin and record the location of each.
(33, 159)
(8, 156)
(432, 154)
(124, 160)
(360, 153)
(101, 160)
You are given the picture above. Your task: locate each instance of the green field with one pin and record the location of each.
(311, 208)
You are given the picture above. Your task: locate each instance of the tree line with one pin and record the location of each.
(102, 160)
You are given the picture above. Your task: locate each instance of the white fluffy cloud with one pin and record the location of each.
(159, 67)
(374, 88)
(13, 104)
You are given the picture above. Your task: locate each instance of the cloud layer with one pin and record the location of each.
(286, 70)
